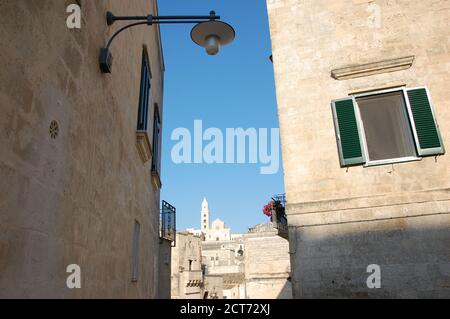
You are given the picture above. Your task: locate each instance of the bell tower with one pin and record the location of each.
(204, 216)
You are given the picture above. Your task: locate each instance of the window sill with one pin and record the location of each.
(156, 180)
(143, 145)
(392, 161)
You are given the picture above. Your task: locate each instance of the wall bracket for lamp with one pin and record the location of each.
(208, 32)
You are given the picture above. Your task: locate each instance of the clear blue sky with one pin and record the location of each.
(234, 89)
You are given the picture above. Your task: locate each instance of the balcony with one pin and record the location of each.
(168, 229)
(279, 217)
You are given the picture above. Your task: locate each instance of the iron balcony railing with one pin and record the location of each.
(279, 217)
(168, 222)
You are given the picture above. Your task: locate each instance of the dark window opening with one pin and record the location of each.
(144, 97)
(156, 141)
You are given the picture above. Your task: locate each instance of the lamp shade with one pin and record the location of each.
(212, 35)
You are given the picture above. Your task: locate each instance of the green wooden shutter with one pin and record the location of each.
(428, 138)
(347, 132)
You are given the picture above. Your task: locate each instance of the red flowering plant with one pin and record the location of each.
(267, 209)
(276, 211)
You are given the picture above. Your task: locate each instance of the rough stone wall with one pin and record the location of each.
(214, 286)
(413, 254)
(164, 270)
(341, 219)
(232, 293)
(74, 199)
(188, 248)
(267, 266)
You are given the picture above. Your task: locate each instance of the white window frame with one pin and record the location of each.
(409, 118)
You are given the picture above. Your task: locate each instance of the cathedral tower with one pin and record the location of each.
(204, 216)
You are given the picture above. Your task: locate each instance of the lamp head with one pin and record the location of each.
(212, 35)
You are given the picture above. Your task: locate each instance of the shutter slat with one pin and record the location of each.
(347, 130)
(428, 140)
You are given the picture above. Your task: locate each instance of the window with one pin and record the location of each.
(190, 265)
(156, 151)
(156, 140)
(135, 252)
(143, 142)
(144, 97)
(386, 127)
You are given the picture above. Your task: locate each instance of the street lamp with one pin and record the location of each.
(208, 32)
(212, 35)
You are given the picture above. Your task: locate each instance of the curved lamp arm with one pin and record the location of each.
(121, 30)
(106, 58)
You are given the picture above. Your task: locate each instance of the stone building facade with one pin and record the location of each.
(75, 187)
(267, 264)
(213, 287)
(218, 231)
(253, 265)
(187, 276)
(225, 258)
(234, 266)
(165, 268)
(364, 112)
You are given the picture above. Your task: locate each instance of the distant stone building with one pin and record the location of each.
(267, 264)
(226, 258)
(80, 159)
(364, 112)
(187, 276)
(217, 231)
(213, 288)
(233, 270)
